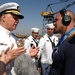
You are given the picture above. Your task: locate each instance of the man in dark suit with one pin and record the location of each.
(64, 52)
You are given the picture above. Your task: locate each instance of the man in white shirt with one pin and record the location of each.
(9, 19)
(32, 40)
(46, 44)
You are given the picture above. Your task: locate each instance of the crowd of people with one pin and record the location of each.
(47, 55)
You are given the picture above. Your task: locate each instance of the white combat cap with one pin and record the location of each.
(49, 25)
(12, 8)
(35, 29)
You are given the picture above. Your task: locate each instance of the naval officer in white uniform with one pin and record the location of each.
(46, 45)
(9, 19)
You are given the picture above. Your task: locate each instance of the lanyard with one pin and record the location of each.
(66, 35)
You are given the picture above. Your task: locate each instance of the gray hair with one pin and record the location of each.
(24, 65)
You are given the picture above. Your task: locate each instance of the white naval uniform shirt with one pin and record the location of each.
(46, 48)
(7, 38)
(27, 44)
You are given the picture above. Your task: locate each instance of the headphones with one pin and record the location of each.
(66, 18)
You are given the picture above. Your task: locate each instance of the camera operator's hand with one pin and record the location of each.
(2, 63)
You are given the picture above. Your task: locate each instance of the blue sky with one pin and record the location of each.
(31, 9)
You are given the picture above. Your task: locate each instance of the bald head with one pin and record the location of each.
(71, 14)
